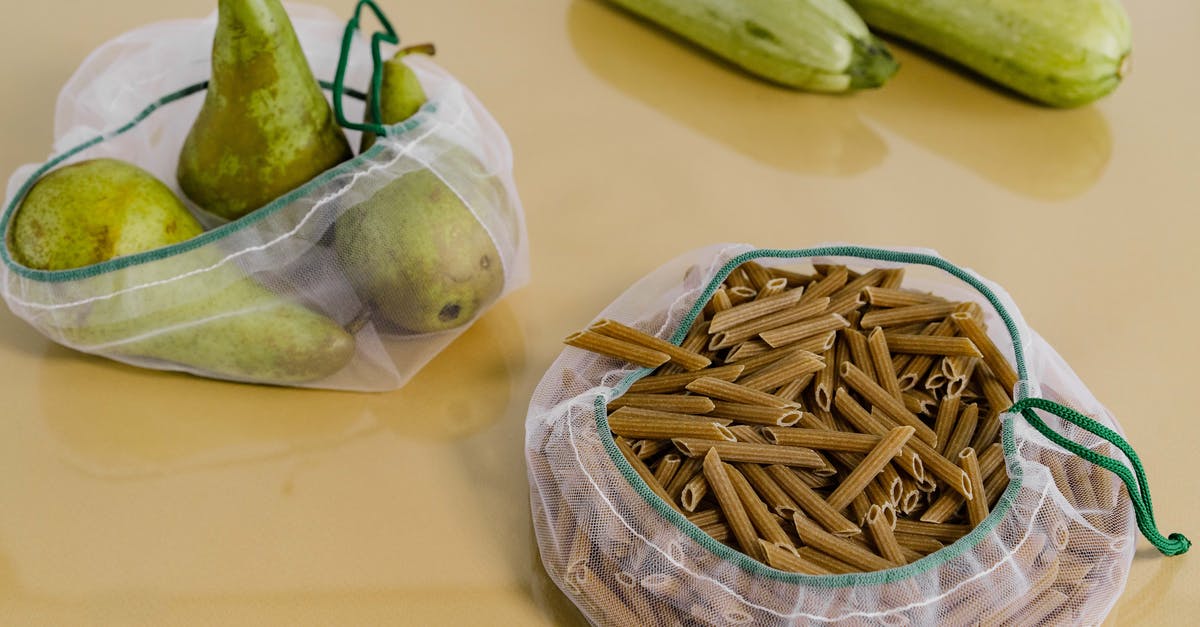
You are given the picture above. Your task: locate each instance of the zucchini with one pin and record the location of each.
(816, 45)
(1063, 53)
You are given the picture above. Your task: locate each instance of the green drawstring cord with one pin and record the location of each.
(377, 39)
(1139, 488)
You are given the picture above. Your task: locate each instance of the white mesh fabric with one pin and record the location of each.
(1063, 547)
(287, 251)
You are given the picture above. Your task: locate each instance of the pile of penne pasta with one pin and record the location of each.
(821, 423)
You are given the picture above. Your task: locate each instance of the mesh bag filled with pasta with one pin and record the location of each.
(277, 296)
(1052, 542)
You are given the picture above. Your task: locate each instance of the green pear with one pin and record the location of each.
(219, 321)
(265, 127)
(418, 255)
(87, 212)
(405, 94)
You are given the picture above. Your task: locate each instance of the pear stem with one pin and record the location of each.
(426, 49)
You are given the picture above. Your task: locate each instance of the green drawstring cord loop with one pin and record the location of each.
(377, 39)
(1139, 488)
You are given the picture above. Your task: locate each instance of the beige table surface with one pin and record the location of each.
(137, 497)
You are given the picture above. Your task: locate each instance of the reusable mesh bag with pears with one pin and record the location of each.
(314, 267)
(832, 435)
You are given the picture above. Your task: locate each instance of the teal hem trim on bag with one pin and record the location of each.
(754, 567)
(208, 237)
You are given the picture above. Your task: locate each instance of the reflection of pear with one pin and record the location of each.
(784, 129)
(1040, 152)
(265, 127)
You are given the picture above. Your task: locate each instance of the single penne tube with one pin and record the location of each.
(658, 428)
(737, 278)
(731, 506)
(758, 276)
(906, 315)
(646, 449)
(732, 392)
(826, 561)
(941, 532)
(792, 390)
(842, 549)
(793, 333)
(792, 483)
(912, 499)
(720, 300)
(932, 345)
(881, 535)
(919, 402)
(757, 414)
(751, 452)
(642, 471)
(677, 354)
(694, 342)
(879, 296)
(995, 360)
(612, 347)
(762, 306)
(860, 353)
(921, 544)
(833, 280)
(771, 492)
(881, 362)
(824, 387)
(861, 505)
(746, 350)
(718, 531)
(889, 480)
(687, 471)
(846, 304)
(889, 446)
(877, 495)
(821, 439)
(693, 492)
(977, 508)
(947, 416)
(856, 285)
(794, 279)
(668, 465)
(861, 383)
(673, 403)
(741, 294)
(935, 381)
(827, 469)
(747, 433)
(760, 515)
(998, 400)
(790, 561)
(630, 411)
(892, 279)
(964, 428)
(771, 377)
(813, 481)
(771, 356)
(705, 517)
(659, 384)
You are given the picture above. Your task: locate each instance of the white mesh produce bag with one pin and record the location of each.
(136, 97)
(625, 557)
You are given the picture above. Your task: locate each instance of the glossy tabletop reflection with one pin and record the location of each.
(139, 497)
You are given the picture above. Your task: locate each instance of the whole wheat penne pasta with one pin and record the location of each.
(860, 506)
(860, 353)
(892, 297)
(947, 416)
(936, 379)
(912, 498)
(905, 315)
(612, 347)
(741, 294)
(833, 280)
(739, 314)
(747, 433)
(827, 468)
(958, 383)
(892, 278)
(856, 285)
(877, 495)
(617, 330)
(977, 508)
(746, 350)
(758, 275)
(919, 402)
(720, 300)
(918, 366)
(964, 428)
(822, 439)
(668, 465)
(1003, 615)
(757, 414)
(792, 390)
(826, 561)
(999, 401)
(881, 535)
(746, 331)
(705, 517)
(694, 342)
(757, 510)
(770, 378)
(794, 279)
(646, 449)
(865, 422)
(737, 278)
(770, 491)
(990, 462)
(995, 485)
(813, 481)
(792, 483)
(687, 471)
(750, 452)
(673, 403)
(718, 531)
(921, 544)
(731, 506)
(656, 428)
(881, 362)
(935, 345)
(973, 330)
(792, 333)
(889, 446)
(840, 548)
(630, 411)
(790, 561)
(732, 392)
(934, 463)
(658, 384)
(823, 391)
(942, 532)
(642, 471)
(889, 479)
(879, 397)
(693, 492)
(846, 304)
